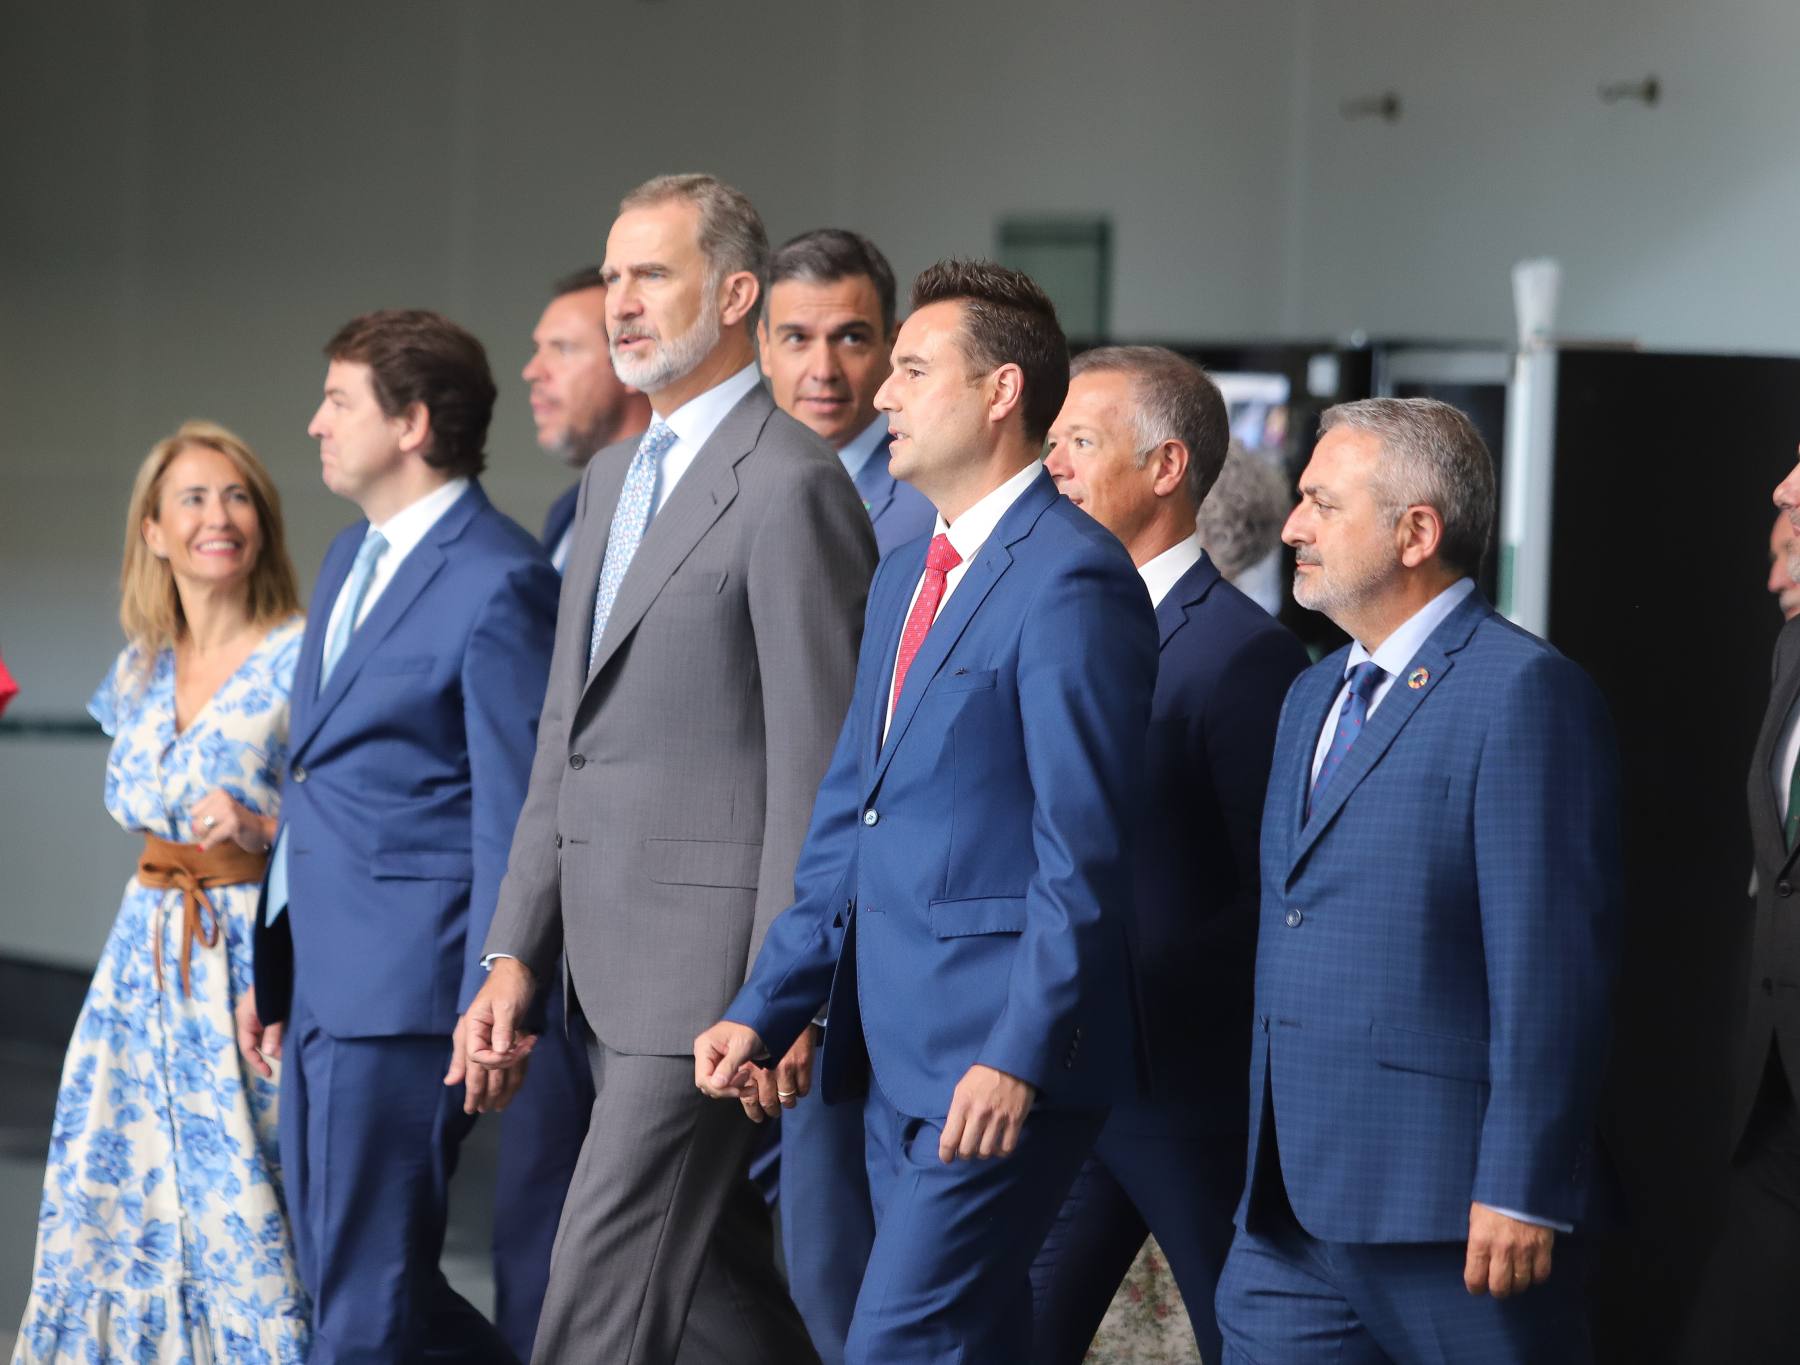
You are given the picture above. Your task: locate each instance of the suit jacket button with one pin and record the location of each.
(559, 841)
(870, 817)
(577, 762)
(299, 773)
(1784, 888)
(1768, 986)
(1262, 1023)
(1294, 916)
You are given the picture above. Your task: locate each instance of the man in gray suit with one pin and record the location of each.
(706, 646)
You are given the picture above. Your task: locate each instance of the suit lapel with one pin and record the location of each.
(1397, 707)
(1313, 699)
(991, 561)
(606, 477)
(875, 483)
(417, 570)
(1189, 591)
(705, 491)
(1767, 826)
(335, 570)
(901, 582)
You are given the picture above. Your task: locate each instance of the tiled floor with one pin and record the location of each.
(30, 1077)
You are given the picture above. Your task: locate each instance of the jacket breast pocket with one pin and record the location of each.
(702, 862)
(1433, 1054)
(974, 680)
(392, 664)
(696, 583)
(422, 864)
(978, 915)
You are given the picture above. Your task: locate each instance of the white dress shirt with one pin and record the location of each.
(1392, 656)
(856, 451)
(1162, 573)
(559, 557)
(403, 531)
(967, 537)
(694, 422)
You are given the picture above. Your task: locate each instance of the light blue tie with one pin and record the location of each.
(356, 589)
(637, 497)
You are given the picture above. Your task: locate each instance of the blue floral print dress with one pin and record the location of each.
(163, 1233)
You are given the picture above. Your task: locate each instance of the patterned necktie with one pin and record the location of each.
(356, 589)
(637, 496)
(362, 573)
(1351, 717)
(940, 558)
(1792, 828)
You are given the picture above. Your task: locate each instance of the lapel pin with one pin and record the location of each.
(1418, 678)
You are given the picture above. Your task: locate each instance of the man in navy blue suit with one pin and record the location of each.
(1138, 445)
(824, 342)
(414, 714)
(1440, 919)
(962, 895)
(825, 337)
(579, 406)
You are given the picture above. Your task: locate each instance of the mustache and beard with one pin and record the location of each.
(673, 358)
(1354, 579)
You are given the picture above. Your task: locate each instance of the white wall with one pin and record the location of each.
(1676, 225)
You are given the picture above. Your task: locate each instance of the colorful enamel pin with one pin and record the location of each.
(1418, 678)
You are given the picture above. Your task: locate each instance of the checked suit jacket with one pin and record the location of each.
(1438, 943)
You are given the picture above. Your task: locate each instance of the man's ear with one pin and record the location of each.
(737, 296)
(1419, 534)
(415, 431)
(1005, 391)
(1170, 462)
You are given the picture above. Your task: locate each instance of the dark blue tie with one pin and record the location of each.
(1355, 710)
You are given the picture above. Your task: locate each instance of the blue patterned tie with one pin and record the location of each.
(362, 573)
(1354, 712)
(356, 589)
(630, 520)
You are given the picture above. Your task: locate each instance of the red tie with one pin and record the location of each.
(940, 558)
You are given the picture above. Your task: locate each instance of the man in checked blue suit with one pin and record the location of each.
(414, 714)
(825, 339)
(1138, 445)
(1441, 900)
(961, 896)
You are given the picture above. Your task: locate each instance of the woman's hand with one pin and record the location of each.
(217, 817)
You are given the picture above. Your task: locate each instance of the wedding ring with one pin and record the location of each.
(786, 1094)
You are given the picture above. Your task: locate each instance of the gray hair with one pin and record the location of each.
(1241, 519)
(1432, 455)
(1176, 401)
(732, 236)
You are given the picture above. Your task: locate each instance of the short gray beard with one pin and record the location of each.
(675, 358)
(1339, 600)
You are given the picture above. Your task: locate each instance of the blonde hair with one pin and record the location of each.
(149, 606)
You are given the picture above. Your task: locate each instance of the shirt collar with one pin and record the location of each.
(856, 451)
(974, 526)
(1162, 573)
(407, 527)
(695, 420)
(1396, 652)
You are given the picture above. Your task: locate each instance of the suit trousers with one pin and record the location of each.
(1748, 1311)
(1152, 1171)
(369, 1139)
(540, 1142)
(827, 1219)
(949, 1277)
(665, 1249)
(1288, 1298)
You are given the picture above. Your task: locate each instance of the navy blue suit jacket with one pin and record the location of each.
(1438, 942)
(560, 517)
(898, 511)
(406, 775)
(1225, 666)
(963, 889)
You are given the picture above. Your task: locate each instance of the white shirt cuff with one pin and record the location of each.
(487, 963)
(1518, 1217)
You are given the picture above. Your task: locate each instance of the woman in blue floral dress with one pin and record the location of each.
(163, 1235)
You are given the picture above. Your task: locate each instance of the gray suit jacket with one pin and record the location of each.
(673, 781)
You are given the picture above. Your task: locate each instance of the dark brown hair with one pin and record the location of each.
(415, 356)
(576, 281)
(1007, 319)
(828, 255)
